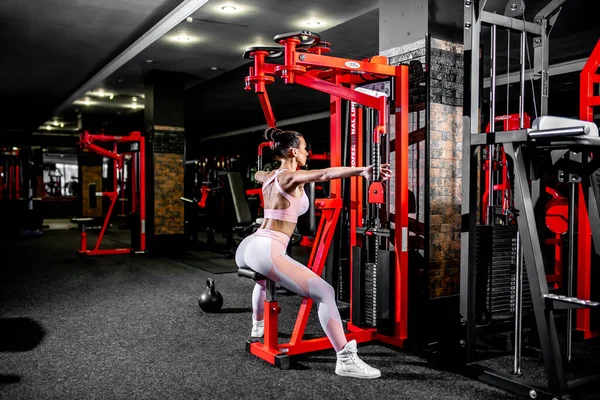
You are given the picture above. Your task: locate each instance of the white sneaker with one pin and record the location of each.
(258, 329)
(348, 364)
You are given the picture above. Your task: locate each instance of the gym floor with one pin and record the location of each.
(129, 327)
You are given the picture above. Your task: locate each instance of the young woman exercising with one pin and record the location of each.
(265, 250)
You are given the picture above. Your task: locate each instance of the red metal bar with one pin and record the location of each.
(107, 252)
(265, 104)
(132, 137)
(335, 138)
(133, 184)
(83, 240)
(339, 91)
(344, 64)
(271, 324)
(255, 192)
(587, 78)
(113, 199)
(401, 201)
(116, 169)
(103, 152)
(330, 209)
(587, 101)
(321, 157)
(142, 203)
(262, 146)
(11, 172)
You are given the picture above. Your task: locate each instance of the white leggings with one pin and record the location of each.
(265, 253)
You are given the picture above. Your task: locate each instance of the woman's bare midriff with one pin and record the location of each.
(280, 226)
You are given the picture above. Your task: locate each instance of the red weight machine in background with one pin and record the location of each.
(89, 142)
(10, 174)
(588, 99)
(305, 64)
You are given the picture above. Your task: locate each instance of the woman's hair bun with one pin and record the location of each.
(271, 134)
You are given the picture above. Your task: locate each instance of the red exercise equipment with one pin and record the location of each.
(89, 142)
(305, 64)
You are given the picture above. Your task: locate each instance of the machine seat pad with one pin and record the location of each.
(548, 122)
(250, 273)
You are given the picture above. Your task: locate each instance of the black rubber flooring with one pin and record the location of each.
(129, 327)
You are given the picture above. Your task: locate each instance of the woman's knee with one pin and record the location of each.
(321, 290)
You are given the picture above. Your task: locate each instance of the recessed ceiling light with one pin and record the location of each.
(183, 38)
(134, 99)
(313, 22)
(228, 9)
(214, 68)
(112, 96)
(149, 61)
(48, 127)
(55, 123)
(62, 124)
(189, 19)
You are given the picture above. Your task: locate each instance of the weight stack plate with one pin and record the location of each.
(496, 267)
(370, 294)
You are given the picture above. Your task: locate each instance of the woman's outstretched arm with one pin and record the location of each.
(323, 175)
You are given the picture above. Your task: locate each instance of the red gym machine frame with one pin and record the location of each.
(86, 143)
(10, 177)
(338, 77)
(587, 101)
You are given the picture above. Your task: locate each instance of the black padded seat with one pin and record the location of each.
(251, 274)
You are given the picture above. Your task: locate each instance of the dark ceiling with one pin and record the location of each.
(52, 48)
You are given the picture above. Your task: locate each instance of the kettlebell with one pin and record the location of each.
(210, 300)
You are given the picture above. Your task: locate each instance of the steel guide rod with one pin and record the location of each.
(492, 147)
(571, 263)
(519, 255)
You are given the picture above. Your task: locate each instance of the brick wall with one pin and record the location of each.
(91, 174)
(445, 155)
(168, 189)
(446, 92)
(168, 144)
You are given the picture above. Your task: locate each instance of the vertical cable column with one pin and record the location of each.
(491, 148)
(518, 307)
(572, 232)
(519, 260)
